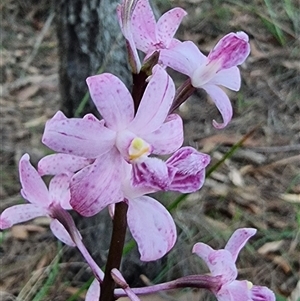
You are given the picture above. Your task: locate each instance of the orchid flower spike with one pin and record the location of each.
(150, 36)
(222, 265)
(41, 201)
(121, 136)
(219, 68)
(124, 13)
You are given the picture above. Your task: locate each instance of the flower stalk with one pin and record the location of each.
(115, 251)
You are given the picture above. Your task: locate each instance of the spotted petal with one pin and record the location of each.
(147, 216)
(143, 26)
(72, 135)
(219, 262)
(19, 214)
(168, 24)
(112, 100)
(168, 138)
(61, 233)
(97, 185)
(238, 240)
(59, 190)
(33, 187)
(60, 163)
(155, 104)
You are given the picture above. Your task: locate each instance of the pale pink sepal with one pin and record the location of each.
(168, 138)
(150, 36)
(60, 163)
(33, 187)
(20, 213)
(184, 58)
(168, 24)
(152, 227)
(72, 135)
(112, 100)
(222, 102)
(238, 240)
(124, 14)
(155, 104)
(143, 25)
(93, 292)
(61, 233)
(97, 185)
(228, 78)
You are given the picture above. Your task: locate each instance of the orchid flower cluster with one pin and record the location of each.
(117, 161)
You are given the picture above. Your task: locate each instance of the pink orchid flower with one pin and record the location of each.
(121, 135)
(145, 214)
(219, 68)
(222, 266)
(150, 36)
(41, 201)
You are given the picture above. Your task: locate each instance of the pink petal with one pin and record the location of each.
(152, 227)
(222, 102)
(61, 163)
(155, 104)
(231, 50)
(168, 138)
(93, 292)
(143, 26)
(153, 173)
(59, 190)
(33, 187)
(97, 185)
(168, 24)
(234, 291)
(85, 137)
(229, 78)
(219, 262)
(190, 169)
(261, 293)
(19, 214)
(238, 240)
(61, 233)
(184, 58)
(112, 100)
